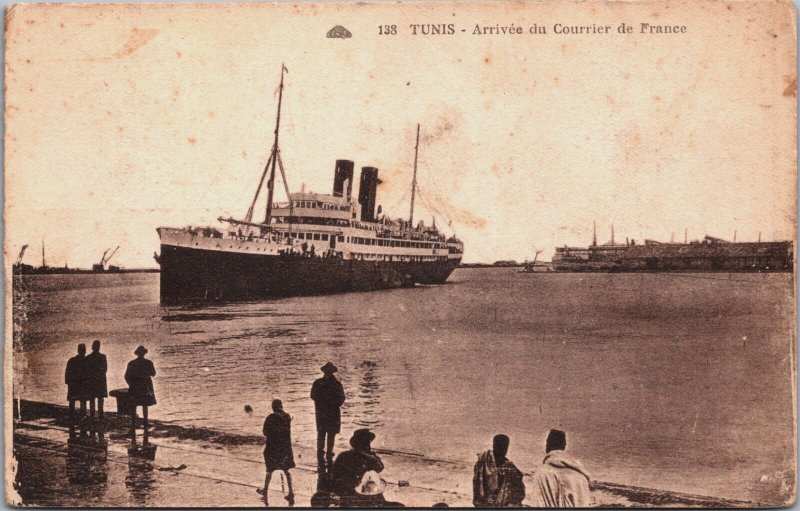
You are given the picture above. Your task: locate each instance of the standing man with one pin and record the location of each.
(328, 395)
(97, 367)
(75, 378)
(561, 481)
(139, 376)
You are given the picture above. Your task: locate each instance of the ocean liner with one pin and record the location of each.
(311, 244)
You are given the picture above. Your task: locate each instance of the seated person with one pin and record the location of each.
(497, 482)
(350, 467)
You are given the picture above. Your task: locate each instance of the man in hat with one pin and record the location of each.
(328, 395)
(97, 367)
(139, 376)
(497, 482)
(75, 378)
(561, 481)
(351, 466)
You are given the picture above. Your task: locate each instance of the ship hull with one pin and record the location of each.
(199, 275)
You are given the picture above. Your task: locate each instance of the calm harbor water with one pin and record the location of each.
(681, 382)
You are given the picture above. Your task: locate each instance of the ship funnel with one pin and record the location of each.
(342, 177)
(367, 193)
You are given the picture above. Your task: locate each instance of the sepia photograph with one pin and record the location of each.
(388, 254)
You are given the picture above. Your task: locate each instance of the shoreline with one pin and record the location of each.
(413, 478)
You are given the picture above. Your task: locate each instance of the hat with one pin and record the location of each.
(141, 350)
(329, 368)
(371, 484)
(362, 437)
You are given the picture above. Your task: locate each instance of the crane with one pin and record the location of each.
(530, 267)
(101, 266)
(21, 254)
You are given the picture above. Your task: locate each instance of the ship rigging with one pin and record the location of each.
(313, 243)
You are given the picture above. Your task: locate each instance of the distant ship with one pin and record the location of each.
(312, 244)
(709, 255)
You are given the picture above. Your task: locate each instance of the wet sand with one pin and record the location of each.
(201, 467)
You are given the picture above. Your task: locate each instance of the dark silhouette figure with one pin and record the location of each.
(328, 395)
(278, 453)
(141, 482)
(139, 376)
(75, 378)
(96, 368)
(496, 481)
(350, 467)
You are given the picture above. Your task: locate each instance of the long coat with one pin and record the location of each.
(139, 377)
(97, 367)
(328, 396)
(75, 378)
(278, 453)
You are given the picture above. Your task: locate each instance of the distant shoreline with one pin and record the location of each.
(489, 265)
(83, 271)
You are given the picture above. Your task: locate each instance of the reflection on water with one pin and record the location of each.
(692, 372)
(141, 481)
(87, 464)
(369, 396)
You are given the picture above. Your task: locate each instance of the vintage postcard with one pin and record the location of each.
(382, 254)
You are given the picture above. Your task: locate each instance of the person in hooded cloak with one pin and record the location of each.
(561, 481)
(497, 482)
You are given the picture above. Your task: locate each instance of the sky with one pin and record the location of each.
(123, 118)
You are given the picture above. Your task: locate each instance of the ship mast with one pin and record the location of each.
(274, 157)
(414, 182)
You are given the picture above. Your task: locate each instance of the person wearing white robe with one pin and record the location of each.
(560, 481)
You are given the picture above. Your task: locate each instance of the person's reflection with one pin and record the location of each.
(322, 497)
(140, 480)
(87, 462)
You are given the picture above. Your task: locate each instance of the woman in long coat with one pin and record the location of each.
(278, 453)
(139, 376)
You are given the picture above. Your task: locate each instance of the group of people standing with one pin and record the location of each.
(349, 480)
(352, 478)
(86, 380)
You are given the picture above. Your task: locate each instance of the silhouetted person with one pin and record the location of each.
(560, 481)
(139, 376)
(75, 378)
(278, 453)
(496, 481)
(350, 467)
(328, 395)
(97, 367)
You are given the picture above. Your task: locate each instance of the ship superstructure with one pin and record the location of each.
(313, 243)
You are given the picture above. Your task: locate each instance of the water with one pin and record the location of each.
(680, 382)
